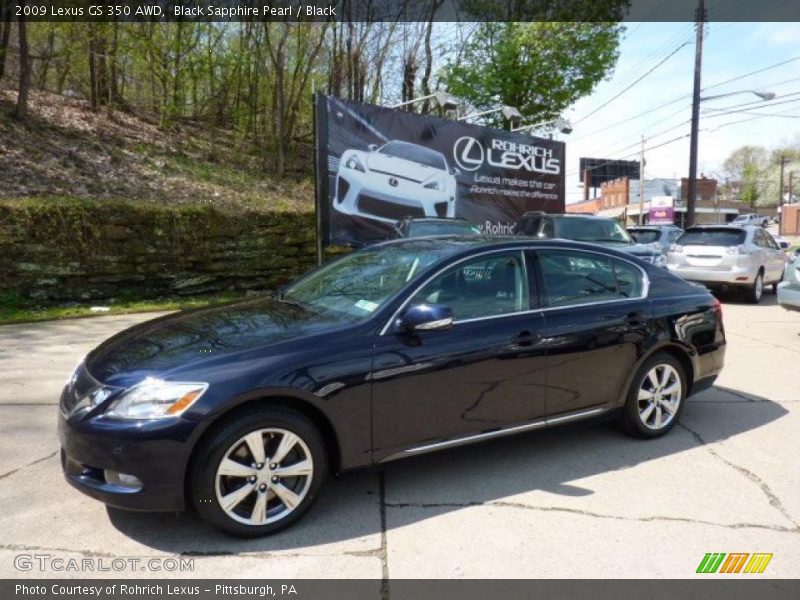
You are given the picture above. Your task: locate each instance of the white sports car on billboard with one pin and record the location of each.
(394, 181)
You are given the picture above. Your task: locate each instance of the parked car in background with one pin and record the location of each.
(728, 256)
(789, 288)
(587, 228)
(391, 351)
(657, 236)
(393, 181)
(411, 227)
(751, 219)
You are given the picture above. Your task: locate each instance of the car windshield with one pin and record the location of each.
(591, 230)
(712, 237)
(644, 236)
(741, 219)
(422, 228)
(414, 153)
(358, 284)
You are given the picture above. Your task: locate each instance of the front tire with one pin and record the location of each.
(656, 397)
(259, 473)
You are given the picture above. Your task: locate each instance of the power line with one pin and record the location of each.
(670, 55)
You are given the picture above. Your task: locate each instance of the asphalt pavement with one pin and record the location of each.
(578, 501)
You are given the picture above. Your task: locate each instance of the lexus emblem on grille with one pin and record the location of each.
(393, 181)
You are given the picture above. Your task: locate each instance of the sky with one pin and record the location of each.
(659, 106)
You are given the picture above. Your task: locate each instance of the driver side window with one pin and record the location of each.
(482, 287)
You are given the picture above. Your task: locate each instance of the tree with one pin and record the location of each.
(24, 68)
(540, 68)
(745, 170)
(5, 33)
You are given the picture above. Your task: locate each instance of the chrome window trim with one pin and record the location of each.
(645, 285)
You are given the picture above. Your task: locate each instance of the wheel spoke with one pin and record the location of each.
(232, 500)
(659, 417)
(255, 442)
(652, 377)
(288, 441)
(670, 407)
(666, 373)
(645, 395)
(675, 387)
(231, 468)
(298, 469)
(645, 414)
(287, 496)
(259, 514)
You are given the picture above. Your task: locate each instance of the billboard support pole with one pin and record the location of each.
(641, 184)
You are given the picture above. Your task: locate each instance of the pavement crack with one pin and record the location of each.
(772, 497)
(586, 513)
(30, 464)
(383, 553)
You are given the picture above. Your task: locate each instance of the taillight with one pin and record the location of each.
(740, 249)
(676, 248)
(717, 306)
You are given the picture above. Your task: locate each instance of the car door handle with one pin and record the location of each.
(634, 318)
(524, 339)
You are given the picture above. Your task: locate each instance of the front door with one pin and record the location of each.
(485, 372)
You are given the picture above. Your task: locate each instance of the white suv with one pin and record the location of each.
(751, 219)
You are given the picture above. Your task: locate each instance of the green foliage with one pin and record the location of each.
(540, 68)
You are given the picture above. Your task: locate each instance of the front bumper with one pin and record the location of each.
(155, 452)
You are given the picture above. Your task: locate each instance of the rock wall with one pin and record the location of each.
(72, 250)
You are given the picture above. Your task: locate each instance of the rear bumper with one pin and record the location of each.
(733, 277)
(155, 453)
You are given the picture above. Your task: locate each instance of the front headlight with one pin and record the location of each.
(354, 163)
(156, 399)
(437, 185)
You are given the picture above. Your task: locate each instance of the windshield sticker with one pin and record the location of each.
(367, 305)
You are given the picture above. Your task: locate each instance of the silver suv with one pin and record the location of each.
(727, 256)
(751, 219)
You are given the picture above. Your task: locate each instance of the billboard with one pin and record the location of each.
(605, 169)
(376, 165)
(662, 211)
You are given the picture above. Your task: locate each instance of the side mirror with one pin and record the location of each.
(372, 147)
(425, 317)
(784, 245)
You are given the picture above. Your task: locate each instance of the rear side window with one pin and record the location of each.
(574, 277)
(713, 237)
(645, 236)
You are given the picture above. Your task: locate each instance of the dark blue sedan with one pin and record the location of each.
(398, 349)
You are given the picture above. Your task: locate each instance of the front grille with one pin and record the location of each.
(342, 187)
(387, 210)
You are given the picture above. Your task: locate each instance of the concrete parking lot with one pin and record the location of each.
(579, 501)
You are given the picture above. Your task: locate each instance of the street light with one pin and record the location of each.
(443, 99)
(509, 112)
(691, 201)
(563, 125)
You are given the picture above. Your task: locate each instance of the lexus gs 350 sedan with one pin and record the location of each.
(394, 181)
(400, 348)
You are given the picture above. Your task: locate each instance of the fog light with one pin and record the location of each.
(123, 480)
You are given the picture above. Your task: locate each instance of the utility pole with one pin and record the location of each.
(641, 183)
(698, 65)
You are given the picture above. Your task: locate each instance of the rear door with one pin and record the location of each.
(775, 257)
(595, 317)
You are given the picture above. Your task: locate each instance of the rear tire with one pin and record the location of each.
(755, 291)
(259, 472)
(656, 397)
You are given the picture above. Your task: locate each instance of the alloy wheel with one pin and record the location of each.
(264, 476)
(758, 287)
(660, 395)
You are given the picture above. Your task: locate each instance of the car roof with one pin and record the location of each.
(725, 226)
(464, 243)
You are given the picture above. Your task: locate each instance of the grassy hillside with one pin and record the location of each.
(66, 150)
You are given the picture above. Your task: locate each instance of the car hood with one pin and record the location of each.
(189, 339)
(401, 167)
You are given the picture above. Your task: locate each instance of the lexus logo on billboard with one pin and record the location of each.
(470, 155)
